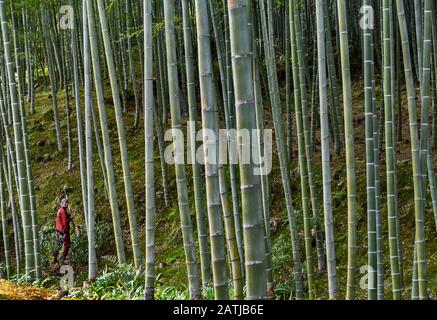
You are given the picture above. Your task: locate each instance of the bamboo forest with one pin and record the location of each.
(218, 149)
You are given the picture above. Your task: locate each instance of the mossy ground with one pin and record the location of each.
(51, 174)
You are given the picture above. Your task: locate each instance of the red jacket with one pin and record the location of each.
(62, 220)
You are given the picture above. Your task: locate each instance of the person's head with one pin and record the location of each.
(64, 203)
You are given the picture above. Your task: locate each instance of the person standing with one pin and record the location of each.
(63, 219)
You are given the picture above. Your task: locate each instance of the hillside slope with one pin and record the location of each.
(50, 171)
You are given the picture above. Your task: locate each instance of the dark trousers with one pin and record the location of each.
(62, 240)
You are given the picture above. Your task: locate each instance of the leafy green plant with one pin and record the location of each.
(171, 293)
(78, 255)
(116, 283)
(283, 269)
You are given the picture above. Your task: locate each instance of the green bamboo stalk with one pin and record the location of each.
(122, 60)
(9, 143)
(378, 218)
(210, 126)
(27, 154)
(99, 149)
(4, 218)
(159, 130)
(397, 54)
(299, 88)
(280, 141)
(265, 184)
(18, 246)
(182, 190)
(390, 154)
(92, 258)
(370, 160)
(136, 246)
(133, 77)
(252, 215)
(431, 170)
(434, 110)
(261, 150)
(231, 239)
(337, 127)
(108, 162)
(414, 136)
(288, 82)
(221, 57)
(163, 79)
(80, 141)
(65, 58)
(231, 124)
(53, 85)
(434, 74)
(149, 161)
(350, 150)
(19, 149)
(326, 171)
(321, 254)
(425, 83)
(415, 280)
(418, 19)
(201, 218)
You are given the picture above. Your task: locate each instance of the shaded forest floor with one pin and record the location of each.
(51, 175)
